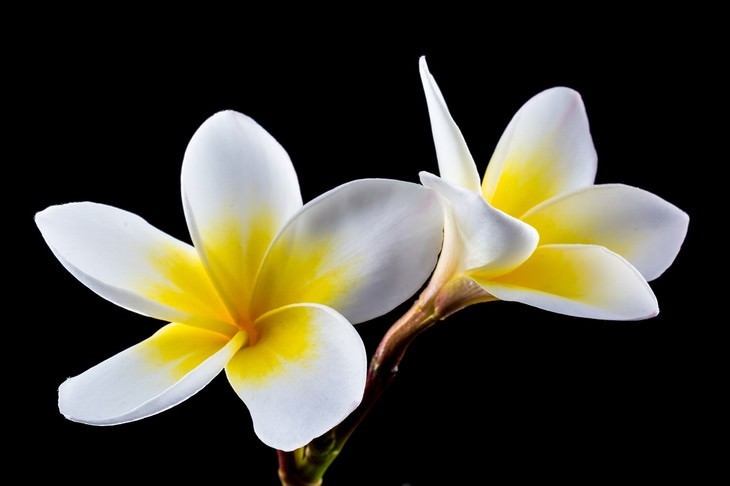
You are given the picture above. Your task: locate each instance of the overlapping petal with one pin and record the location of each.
(546, 150)
(298, 365)
(148, 378)
(361, 248)
(456, 164)
(485, 241)
(638, 225)
(124, 259)
(304, 374)
(577, 280)
(598, 245)
(239, 188)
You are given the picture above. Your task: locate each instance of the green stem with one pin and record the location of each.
(289, 474)
(306, 466)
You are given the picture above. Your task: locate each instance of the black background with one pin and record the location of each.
(499, 390)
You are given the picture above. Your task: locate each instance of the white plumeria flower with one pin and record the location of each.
(268, 292)
(536, 230)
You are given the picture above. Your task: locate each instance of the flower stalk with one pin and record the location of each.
(307, 465)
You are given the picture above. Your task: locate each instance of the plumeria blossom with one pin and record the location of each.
(537, 230)
(268, 292)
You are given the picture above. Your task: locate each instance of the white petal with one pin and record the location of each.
(577, 280)
(239, 188)
(641, 227)
(361, 248)
(545, 151)
(124, 259)
(304, 374)
(455, 161)
(156, 374)
(483, 240)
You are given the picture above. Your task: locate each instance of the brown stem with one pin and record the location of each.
(306, 466)
(433, 304)
(385, 362)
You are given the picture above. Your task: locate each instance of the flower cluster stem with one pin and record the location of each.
(306, 466)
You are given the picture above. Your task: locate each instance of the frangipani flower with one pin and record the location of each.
(536, 230)
(268, 292)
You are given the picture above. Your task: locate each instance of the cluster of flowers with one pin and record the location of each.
(271, 287)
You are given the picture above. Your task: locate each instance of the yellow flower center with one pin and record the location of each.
(252, 333)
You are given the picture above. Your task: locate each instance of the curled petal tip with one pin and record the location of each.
(427, 178)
